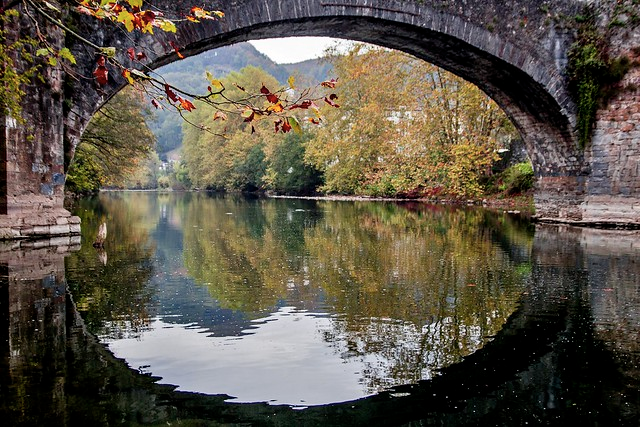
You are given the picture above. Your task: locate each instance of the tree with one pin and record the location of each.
(352, 143)
(288, 173)
(425, 131)
(229, 155)
(116, 142)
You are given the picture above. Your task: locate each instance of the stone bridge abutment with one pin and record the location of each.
(514, 50)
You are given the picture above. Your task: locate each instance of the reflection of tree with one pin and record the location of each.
(415, 288)
(246, 252)
(113, 297)
(436, 277)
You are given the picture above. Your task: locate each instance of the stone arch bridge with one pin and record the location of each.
(514, 50)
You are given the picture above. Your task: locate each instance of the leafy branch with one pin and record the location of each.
(130, 14)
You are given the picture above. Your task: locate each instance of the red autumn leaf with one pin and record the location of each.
(155, 103)
(116, 7)
(175, 47)
(147, 17)
(270, 96)
(186, 104)
(132, 54)
(277, 124)
(304, 105)
(250, 117)
(140, 56)
(171, 94)
(330, 83)
(101, 73)
(329, 100)
(286, 127)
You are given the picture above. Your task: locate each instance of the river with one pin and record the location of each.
(227, 310)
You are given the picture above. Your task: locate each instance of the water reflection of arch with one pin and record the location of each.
(521, 374)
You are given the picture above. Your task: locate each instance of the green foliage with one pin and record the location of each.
(12, 82)
(288, 173)
(85, 176)
(592, 73)
(229, 155)
(114, 145)
(181, 176)
(113, 299)
(587, 67)
(517, 179)
(246, 173)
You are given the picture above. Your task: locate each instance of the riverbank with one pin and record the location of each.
(522, 203)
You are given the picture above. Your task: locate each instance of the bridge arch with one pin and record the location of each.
(525, 79)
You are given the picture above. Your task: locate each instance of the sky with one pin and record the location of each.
(289, 50)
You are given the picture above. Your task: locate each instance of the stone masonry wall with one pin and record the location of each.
(613, 191)
(34, 169)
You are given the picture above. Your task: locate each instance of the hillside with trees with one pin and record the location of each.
(405, 128)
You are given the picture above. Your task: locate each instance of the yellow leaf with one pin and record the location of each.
(276, 108)
(109, 52)
(291, 82)
(166, 25)
(295, 125)
(127, 75)
(127, 19)
(216, 85)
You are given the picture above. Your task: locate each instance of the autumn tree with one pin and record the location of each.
(116, 143)
(425, 131)
(227, 151)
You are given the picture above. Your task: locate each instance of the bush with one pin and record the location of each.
(517, 179)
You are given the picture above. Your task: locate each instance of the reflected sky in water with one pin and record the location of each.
(281, 357)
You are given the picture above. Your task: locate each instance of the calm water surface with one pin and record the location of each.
(294, 302)
(211, 310)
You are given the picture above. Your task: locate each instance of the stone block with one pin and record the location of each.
(40, 230)
(56, 230)
(9, 233)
